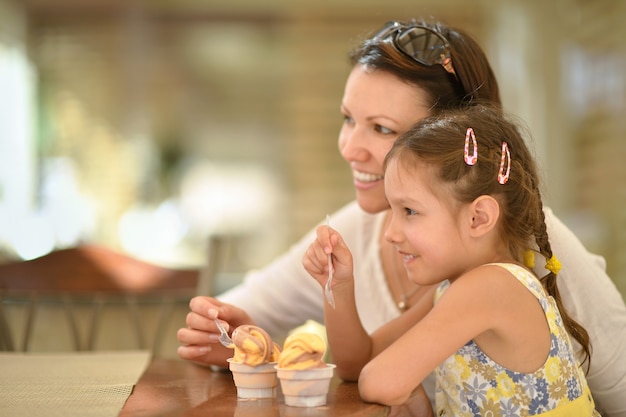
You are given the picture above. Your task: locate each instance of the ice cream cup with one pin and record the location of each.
(254, 381)
(305, 387)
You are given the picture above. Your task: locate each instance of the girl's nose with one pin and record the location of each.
(392, 234)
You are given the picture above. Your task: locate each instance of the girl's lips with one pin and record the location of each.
(407, 257)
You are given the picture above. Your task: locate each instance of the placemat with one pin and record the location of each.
(81, 384)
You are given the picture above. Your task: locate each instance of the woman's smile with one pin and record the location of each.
(365, 179)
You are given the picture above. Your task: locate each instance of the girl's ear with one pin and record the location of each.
(484, 212)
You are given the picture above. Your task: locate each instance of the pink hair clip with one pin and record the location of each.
(470, 159)
(502, 176)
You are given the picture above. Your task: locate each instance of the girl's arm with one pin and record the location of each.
(464, 311)
(350, 344)
(418, 405)
(392, 330)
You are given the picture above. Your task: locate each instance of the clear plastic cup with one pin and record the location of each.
(305, 387)
(254, 381)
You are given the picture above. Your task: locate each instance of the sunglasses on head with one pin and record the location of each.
(419, 43)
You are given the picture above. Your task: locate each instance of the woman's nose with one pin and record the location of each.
(350, 144)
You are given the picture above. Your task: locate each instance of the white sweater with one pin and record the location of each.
(283, 295)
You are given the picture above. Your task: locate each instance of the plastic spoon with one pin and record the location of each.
(224, 338)
(328, 292)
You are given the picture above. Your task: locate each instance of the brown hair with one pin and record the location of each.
(438, 142)
(474, 81)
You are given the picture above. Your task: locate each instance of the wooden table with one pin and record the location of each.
(172, 387)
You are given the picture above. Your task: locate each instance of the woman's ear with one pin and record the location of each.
(484, 212)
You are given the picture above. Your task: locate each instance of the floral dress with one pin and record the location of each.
(469, 383)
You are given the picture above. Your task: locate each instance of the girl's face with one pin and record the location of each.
(426, 231)
(377, 108)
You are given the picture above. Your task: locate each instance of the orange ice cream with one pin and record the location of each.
(302, 351)
(253, 346)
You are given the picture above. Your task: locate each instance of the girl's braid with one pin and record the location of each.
(549, 282)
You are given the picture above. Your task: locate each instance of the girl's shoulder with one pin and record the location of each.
(490, 283)
(490, 274)
(524, 276)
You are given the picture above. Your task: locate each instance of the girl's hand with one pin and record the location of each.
(315, 259)
(199, 340)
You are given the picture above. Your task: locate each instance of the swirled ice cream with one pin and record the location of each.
(303, 374)
(302, 351)
(253, 346)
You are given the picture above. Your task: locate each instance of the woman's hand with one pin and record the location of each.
(199, 340)
(315, 259)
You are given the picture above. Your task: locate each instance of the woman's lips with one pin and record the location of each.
(365, 179)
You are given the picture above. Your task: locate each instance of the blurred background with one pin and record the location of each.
(152, 126)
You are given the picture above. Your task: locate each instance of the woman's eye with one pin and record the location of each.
(410, 212)
(347, 119)
(384, 130)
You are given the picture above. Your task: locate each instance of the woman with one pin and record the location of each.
(386, 92)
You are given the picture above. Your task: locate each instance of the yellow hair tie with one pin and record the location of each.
(529, 259)
(553, 265)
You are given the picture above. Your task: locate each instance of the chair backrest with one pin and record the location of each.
(92, 298)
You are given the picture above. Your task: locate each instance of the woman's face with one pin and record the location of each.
(377, 107)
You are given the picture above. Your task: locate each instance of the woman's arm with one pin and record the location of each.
(277, 298)
(592, 299)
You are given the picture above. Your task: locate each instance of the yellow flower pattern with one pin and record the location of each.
(470, 384)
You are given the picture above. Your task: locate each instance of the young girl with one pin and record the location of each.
(466, 210)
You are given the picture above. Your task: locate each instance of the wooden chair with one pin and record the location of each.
(94, 297)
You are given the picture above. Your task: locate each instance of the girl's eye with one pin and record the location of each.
(384, 130)
(347, 119)
(409, 212)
